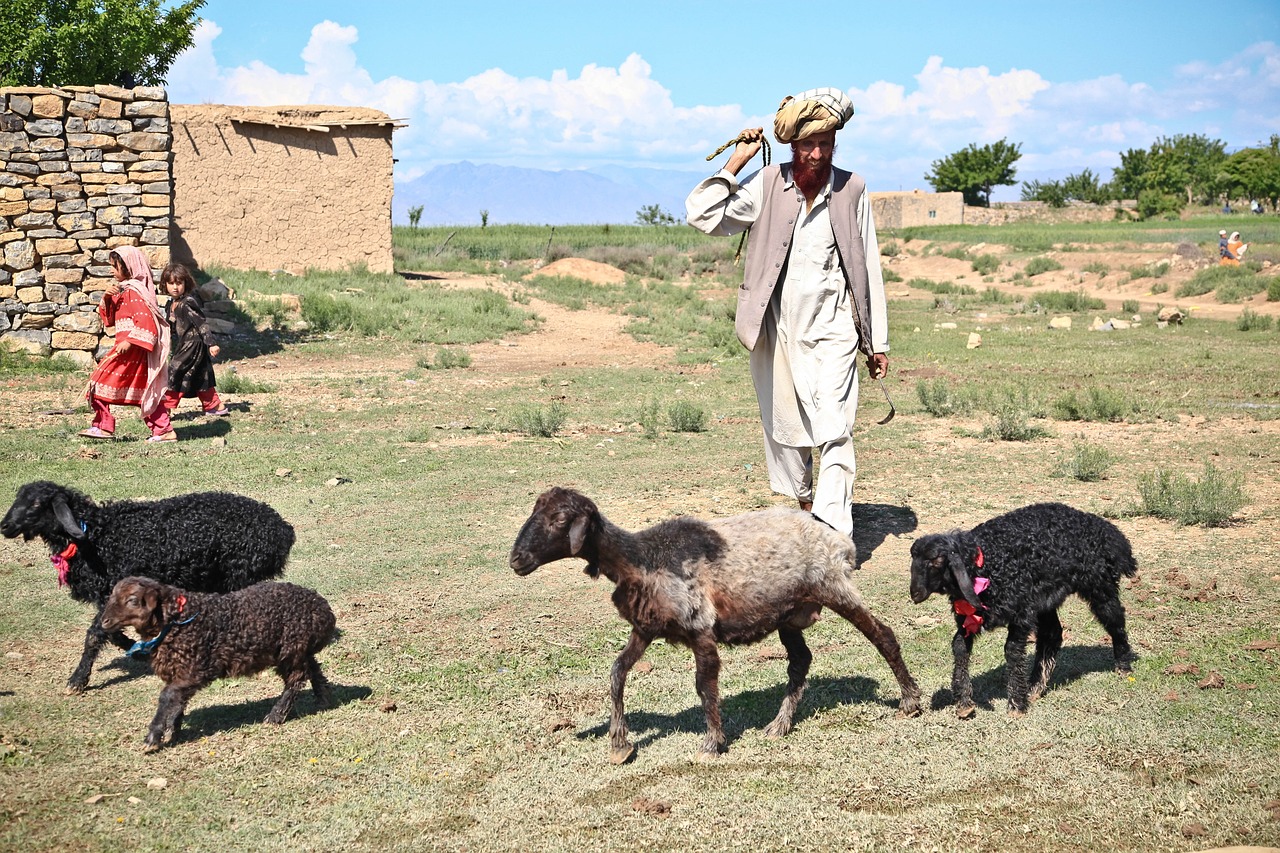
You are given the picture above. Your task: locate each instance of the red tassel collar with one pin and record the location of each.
(62, 562)
(972, 618)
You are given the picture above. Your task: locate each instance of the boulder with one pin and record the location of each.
(1060, 323)
(1169, 314)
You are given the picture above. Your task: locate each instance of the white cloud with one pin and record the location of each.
(623, 115)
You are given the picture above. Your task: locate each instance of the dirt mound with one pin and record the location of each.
(592, 271)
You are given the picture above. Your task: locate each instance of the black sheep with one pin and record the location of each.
(193, 639)
(1016, 570)
(206, 542)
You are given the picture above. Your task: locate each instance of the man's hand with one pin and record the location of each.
(749, 144)
(878, 365)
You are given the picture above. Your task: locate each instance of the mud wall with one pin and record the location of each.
(311, 193)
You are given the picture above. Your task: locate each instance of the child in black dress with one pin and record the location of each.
(192, 344)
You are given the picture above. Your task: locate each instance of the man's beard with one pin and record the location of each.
(809, 178)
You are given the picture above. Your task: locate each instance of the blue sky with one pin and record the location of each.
(661, 84)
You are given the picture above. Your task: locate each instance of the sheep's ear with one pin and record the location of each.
(578, 534)
(68, 521)
(962, 579)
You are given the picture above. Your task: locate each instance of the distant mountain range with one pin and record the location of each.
(455, 193)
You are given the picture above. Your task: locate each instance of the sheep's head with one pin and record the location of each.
(138, 603)
(557, 528)
(939, 564)
(42, 509)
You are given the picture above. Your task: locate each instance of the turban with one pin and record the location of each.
(812, 111)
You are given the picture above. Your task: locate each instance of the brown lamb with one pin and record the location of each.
(198, 638)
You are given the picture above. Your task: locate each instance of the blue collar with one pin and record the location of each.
(142, 649)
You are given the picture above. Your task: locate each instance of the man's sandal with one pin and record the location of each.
(96, 433)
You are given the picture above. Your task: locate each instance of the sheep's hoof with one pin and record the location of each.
(776, 730)
(909, 708)
(1015, 714)
(706, 757)
(964, 712)
(150, 745)
(75, 688)
(623, 755)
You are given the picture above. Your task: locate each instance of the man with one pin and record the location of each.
(812, 296)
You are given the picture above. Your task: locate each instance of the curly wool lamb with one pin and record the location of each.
(193, 639)
(699, 583)
(1016, 570)
(206, 542)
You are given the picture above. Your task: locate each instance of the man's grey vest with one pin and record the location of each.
(770, 244)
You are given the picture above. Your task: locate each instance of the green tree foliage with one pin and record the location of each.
(653, 214)
(1254, 172)
(976, 170)
(1189, 167)
(1083, 186)
(1127, 179)
(87, 42)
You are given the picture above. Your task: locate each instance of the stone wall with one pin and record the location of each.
(1003, 213)
(82, 170)
(903, 209)
(282, 187)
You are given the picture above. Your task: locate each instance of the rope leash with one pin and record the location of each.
(767, 151)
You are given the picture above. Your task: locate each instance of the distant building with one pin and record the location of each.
(282, 187)
(903, 209)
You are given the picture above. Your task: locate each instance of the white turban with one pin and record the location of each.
(812, 111)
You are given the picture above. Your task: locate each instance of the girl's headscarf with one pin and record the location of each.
(141, 283)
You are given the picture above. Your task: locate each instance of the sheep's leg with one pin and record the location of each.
(620, 749)
(93, 641)
(294, 678)
(1015, 662)
(798, 660)
(169, 712)
(961, 686)
(1048, 643)
(706, 658)
(1110, 613)
(319, 684)
(883, 638)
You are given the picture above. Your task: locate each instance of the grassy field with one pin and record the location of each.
(473, 705)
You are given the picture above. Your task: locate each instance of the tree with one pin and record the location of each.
(1129, 179)
(1049, 192)
(975, 171)
(1254, 172)
(86, 42)
(415, 215)
(652, 214)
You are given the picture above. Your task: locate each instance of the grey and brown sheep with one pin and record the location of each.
(204, 542)
(197, 638)
(699, 583)
(1015, 570)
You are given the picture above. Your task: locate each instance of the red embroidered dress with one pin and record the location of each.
(121, 378)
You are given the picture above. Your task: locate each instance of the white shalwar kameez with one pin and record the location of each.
(804, 364)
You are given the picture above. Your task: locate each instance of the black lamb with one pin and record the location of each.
(1016, 570)
(193, 639)
(205, 542)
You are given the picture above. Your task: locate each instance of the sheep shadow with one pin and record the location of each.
(872, 523)
(211, 719)
(748, 710)
(990, 689)
(126, 669)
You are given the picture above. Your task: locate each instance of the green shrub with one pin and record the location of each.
(1231, 283)
(1250, 320)
(1160, 287)
(1130, 306)
(686, 417)
(986, 264)
(939, 400)
(231, 382)
(1087, 463)
(1102, 404)
(890, 275)
(446, 359)
(538, 422)
(1012, 423)
(17, 363)
(1211, 502)
(941, 287)
(1067, 301)
(648, 418)
(1035, 266)
(1155, 270)
(957, 254)
(890, 249)
(996, 296)
(1097, 268)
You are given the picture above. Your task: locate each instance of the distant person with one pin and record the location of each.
(1222, 245)
(135, 372)
(193, 345)
(1255, 206)
(812, 295)
(1236, 246)
(1226, 207)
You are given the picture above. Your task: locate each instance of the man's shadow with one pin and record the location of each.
(873, 522)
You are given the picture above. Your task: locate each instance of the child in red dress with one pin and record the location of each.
(135, 372)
